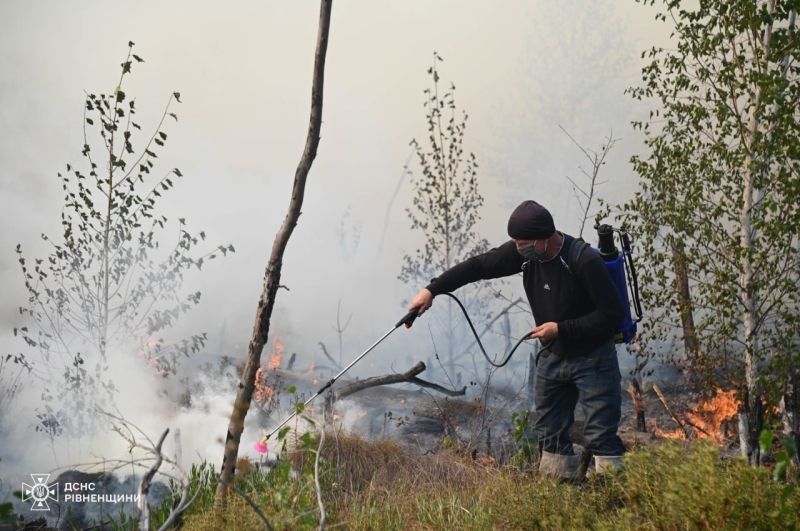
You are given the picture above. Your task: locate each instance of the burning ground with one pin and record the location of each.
(404, 456)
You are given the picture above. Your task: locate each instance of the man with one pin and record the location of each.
(576, 313)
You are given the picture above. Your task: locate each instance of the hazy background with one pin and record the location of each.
(521, 68)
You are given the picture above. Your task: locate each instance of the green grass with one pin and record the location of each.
(382, 486)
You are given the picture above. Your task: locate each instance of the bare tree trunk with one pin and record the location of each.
(273, 272)
(638, 406)
(788, 410)
(749, 439)
(691, 350)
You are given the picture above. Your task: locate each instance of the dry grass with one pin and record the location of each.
(386, 486)
(359, 467)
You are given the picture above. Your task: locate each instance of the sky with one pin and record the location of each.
(523, 70)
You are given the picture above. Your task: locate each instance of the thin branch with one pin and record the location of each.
(144, 508)
(327, 355)
(437, 387)
(250, 502)
(316, 481)
(686, 431)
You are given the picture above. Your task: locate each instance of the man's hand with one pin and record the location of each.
(423, 301)
(545, 333)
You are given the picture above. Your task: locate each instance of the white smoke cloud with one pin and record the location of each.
(244, 73)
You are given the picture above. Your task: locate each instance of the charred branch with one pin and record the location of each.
(327, 355)
(636, 394)
(409, 376)
(686, 430)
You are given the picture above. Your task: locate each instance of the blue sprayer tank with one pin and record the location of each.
(615, 263)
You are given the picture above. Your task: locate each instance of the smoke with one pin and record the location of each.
(244, 75)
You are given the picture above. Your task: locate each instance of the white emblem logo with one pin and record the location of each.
(547, 286)
(40, 492)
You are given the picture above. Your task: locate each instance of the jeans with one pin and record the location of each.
(593, 381)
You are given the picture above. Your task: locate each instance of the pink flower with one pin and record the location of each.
(261, 446)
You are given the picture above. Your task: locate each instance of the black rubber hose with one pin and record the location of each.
(507, 357)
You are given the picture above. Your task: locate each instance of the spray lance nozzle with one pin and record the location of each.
(261, 446)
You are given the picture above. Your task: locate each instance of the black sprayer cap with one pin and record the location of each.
(605, 236)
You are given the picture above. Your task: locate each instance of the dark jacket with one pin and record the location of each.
(586, 305)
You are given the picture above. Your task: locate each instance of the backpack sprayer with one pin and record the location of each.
(620, 267)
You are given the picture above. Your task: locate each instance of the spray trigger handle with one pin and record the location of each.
(409, 318)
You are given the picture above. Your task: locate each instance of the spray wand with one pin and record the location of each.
(408, 320)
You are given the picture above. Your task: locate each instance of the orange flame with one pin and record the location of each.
(262, 393)
(706, 419)
(275, 360)
(710, 415)
(151, 359)
(667, 434)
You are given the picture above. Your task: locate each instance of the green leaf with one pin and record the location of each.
(162, 135)
(89, 121)
(131, 44)
(765, 440)
(789, 444)
(126, 67)
(300, 407)
(177, 96)
(120, 95)
(177, 172)
(779, 468)
(291, 390)
(174, 116)
(283, 432)
(787, 490)
(138, 59)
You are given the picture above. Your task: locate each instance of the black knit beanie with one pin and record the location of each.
(530, 221)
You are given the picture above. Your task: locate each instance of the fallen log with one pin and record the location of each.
(409, 376)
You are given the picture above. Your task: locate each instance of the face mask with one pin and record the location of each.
(530, 253)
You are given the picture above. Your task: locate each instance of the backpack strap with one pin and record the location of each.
(575, 251)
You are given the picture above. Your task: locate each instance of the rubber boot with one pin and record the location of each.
(560, 466)
(606, 463)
